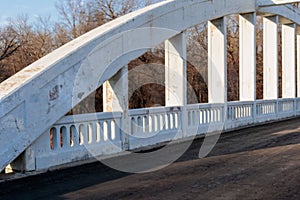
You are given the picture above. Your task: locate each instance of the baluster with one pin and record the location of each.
(171, 119)
(167, 125)
(160, 123)
(133, 125)
(139, 125)
(156, 123)
(68, 141)
(197, 118)
(150, 123)
(176, 119)
(105, 131)
(112, 130)
(189, 118)
(98, 132)
(242, 111)
(90, 131)
(146, 124)
(102, 134)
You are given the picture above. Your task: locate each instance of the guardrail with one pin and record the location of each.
(80, 137)
(75, 138)
(154, 125)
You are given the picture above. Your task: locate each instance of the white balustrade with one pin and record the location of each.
(239, 114)
(297, 102)
(80, 137)
(154, 125)
(286, 108)
(266, 110)
(205, 117)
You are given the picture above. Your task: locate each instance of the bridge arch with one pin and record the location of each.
(38, 96)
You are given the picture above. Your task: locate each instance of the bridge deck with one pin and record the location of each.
(262, 162)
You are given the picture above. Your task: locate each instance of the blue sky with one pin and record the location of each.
(34, 8)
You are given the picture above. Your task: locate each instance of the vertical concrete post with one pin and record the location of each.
(115, 92)
(175, 71)
(115, 99)
(217, 61)
(26, 162)
(175, 75)
(247, 23)
(288, 61)
(270, 57)
(298, 61)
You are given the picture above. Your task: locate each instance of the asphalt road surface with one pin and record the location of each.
(261, 162)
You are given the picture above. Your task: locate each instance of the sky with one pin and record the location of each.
(33, 8)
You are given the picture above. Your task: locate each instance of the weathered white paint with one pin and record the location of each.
(175, 70)
(247, 24)
(288, 61)
(217, 61)
(287, 12)
(175, 75)
(25, 115)
(270, 56)
(115, 99)
(35, 98)
(115, 92)
(150, 127)
(275, 2)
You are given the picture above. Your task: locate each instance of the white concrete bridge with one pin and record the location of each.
(33, 103)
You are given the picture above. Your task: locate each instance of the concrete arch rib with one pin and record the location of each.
(38, 96)
(286, 11)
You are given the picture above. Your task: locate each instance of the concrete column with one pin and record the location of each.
(217, 61)
(115, 92)
(175, 73)
(175, 76)
(270, 51)
(247, 70)
(298, 62)
(115, 99)
(26, 161)
(288, 61)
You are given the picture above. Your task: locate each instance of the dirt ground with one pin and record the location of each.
(261, 162)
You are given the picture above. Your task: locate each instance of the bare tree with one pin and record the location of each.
(9, 42)
(73, 15)
(61, 35)
(115, 8)
(22, 43)
(77, 17)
